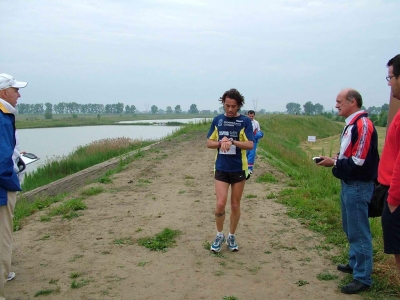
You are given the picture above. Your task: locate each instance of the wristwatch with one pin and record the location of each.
(231, 140)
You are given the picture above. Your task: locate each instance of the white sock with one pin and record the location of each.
(220, 233)
(230, 234)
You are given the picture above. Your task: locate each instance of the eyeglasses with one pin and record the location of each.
(388, 78)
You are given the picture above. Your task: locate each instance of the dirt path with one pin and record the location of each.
(171, 186)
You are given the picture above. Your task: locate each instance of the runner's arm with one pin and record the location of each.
(245, 145)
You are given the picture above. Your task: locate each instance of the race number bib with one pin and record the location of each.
(231, 151)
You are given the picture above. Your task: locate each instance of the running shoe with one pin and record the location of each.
(216, 245)
(231, 242)
(11, 276)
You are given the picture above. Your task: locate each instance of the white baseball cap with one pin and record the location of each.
(7, 81)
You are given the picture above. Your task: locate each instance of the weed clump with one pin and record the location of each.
(161, 242)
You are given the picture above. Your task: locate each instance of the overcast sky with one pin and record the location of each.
(170, 52)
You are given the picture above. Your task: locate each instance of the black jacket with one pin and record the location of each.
(346, 168)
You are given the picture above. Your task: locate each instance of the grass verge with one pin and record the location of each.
(313, 193)
(80, 159)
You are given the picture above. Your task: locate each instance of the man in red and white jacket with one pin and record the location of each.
(389, 170)
(356, 166)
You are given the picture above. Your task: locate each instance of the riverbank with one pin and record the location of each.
(68, 120)
(171, 186)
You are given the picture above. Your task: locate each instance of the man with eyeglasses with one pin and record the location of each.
(230, 134)
(389, 170)
(9, 182)
(356, 166)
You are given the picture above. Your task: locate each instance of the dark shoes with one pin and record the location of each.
(354, 287)
(345, 269)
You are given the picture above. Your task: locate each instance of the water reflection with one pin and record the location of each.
(47, 143)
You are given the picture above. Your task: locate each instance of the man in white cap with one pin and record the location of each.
(9, 182)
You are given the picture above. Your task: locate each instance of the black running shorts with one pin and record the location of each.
(230, 177)
(391, 229)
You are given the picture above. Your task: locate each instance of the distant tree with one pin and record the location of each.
(169, 110)
(119, 108)
(37, 108)
(178, 109)
(215, 112)
(59, 108)
(221, 110)
(374, 110)
(193, 109)
(374, 118)
(262, 111)
(383, 118)
(385, 107)
(48, 113)
(309, 108)
(133, 109)
(85, 108)
(327, 115)
(22, 108)
(108, 109)
(318, 108)
(293, 108)
(127, 109)
(154, 109)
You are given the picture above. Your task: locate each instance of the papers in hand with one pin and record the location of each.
(29, 158)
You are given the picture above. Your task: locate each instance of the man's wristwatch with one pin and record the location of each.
(231, 140)
(334, 163)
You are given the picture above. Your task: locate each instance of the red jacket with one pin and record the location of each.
(389, 166)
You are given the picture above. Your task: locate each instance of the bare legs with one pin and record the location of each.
(221, 191)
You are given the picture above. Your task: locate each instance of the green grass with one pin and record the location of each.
(25, 208)
(81, 158)
(78, 284)
(250, 196)
(302, 282)
(92, 191)
(123, 241)
(313, 193)
(267, 177)
(325, 276)
(162, 241)
(46, 292)
(67, 207)
(230, 298)
(75, 275)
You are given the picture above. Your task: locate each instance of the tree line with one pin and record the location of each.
(378, 115)
(75, 108)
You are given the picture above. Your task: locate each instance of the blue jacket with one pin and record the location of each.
(8, 177)
(258, 136)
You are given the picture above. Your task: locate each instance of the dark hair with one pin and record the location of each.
(251, 112)
(233, 94)
(353, 94)
(395, 62)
